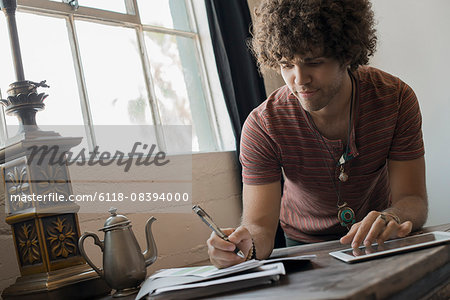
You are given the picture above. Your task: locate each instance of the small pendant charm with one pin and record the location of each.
(343, 177)
(346, 216)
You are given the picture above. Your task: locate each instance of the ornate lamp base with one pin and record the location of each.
(46, 242)
(45, 233)
(77, 282)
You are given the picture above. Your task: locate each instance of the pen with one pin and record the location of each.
(208, 221)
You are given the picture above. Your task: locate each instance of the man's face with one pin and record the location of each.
(315, 81)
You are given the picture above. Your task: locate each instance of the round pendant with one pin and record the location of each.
(346, 216)
(343, 177)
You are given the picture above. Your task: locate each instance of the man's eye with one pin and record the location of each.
(315, 63)
(286, 66)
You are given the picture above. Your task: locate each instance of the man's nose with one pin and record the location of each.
(302, 76)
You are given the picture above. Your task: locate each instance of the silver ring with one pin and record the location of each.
(384, 218)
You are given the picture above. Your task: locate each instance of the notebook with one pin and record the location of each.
(195, 282)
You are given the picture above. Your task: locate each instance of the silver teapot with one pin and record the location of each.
(124, 266)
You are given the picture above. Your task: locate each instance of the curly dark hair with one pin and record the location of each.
(342, 29)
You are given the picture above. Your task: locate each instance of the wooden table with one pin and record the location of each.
(421, 274)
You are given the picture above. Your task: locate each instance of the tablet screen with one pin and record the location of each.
(392, 246)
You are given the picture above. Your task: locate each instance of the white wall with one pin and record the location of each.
(414, 44)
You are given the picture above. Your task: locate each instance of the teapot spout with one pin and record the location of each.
(151, 253)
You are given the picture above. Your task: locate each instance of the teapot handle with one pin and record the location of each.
(83, 253)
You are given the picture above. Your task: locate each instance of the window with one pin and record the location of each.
(121, 62)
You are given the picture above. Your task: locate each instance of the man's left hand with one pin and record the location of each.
(375, 227)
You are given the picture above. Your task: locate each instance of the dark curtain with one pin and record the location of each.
(242, 85)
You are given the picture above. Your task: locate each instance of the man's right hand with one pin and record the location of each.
(221, 252)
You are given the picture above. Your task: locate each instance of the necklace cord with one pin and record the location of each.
(338, 188)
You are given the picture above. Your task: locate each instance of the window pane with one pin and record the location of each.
(48, 57)
(111, 5)
(114, 76)
(178, 86)
(164, 13)
(7, 75)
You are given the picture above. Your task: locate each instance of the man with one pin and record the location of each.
(345, 138)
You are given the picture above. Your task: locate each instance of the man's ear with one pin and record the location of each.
(348, 64)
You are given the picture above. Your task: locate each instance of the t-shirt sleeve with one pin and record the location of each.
(259, 154)
(407, 143)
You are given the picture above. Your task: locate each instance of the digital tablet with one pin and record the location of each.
(393, 246)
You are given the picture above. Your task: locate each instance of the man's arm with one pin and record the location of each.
(409, 203)
(408, 188)
(261, 211)
(261, 214)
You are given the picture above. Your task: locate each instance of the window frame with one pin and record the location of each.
(217, 119)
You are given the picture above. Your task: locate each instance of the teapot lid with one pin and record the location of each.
(115, 220)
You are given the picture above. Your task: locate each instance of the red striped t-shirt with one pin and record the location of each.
(278, 138)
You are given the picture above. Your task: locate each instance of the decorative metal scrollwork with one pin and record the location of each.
(28, 243)
(19, 187)
(61, 237)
